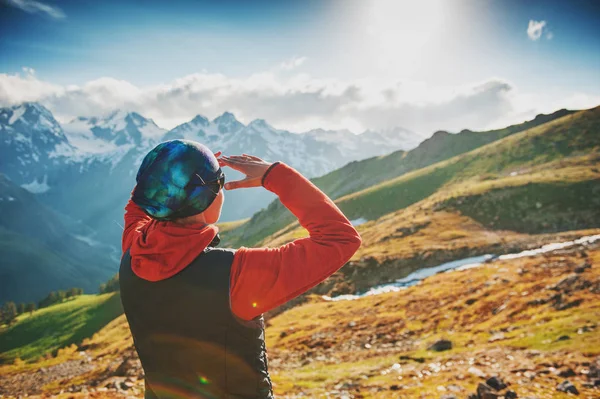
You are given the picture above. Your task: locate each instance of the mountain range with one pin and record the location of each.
(84, 170)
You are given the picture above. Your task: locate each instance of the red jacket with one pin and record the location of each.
(261, 278)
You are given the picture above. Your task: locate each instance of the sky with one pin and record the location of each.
(333, 64)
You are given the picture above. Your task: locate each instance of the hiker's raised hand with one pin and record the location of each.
(253, 167)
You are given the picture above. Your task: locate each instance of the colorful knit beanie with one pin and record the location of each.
(178, 178)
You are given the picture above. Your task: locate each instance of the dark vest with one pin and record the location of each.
(190, 343)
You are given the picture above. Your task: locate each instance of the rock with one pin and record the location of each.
(566, 282)
(416, 359)
(499, 336)
(475, 371)
(484, 391)
(454, 388)
(584, 329)
(510, 395)
(587, 384)
(568, 305)
(394, 388)
(563, 338)
(470, 301)
(441, 345)
(126, 385)
(594, 371)
(582, 268)
(568, 372)
(496, 383)
(567, 386)
(128, 367)
(530, 374)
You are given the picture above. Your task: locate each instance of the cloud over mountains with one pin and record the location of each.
(294, 101)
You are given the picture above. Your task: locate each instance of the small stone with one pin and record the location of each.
(582, 268)
(565, 282)
(394, 388)
(497, 337)
(496, 383)
(563, 338)
(475, 371)
(454, 388)
(441, 345)
(566, 373)
(567, 386)
(485, 392)
(510, 395)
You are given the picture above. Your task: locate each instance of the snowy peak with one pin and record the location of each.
(260, 124)
(31, 140)
(199, 120)
(118, 128)
(31, 116)
(227, 123)
(220, 129)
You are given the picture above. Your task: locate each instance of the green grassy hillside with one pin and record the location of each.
(359, 175)
(543, 180)
(572, 141)
(57, 326)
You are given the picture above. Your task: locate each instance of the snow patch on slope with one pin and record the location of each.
(17, 114)
(36, 187)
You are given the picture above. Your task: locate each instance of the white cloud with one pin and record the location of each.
(293, 101)
(536, 28)
(34, 7)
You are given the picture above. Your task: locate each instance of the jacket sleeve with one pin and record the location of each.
(264, 278)
(135, 218)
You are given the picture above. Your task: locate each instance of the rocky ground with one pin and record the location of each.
(526, 328)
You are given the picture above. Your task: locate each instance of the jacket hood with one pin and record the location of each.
(162, 249)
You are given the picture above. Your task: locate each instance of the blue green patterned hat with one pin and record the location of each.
(178, 178)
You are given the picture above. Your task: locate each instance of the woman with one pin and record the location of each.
(195, 311)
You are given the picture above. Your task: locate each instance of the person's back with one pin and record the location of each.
(195, 311)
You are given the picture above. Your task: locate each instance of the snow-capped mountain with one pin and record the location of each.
(86, 168)
(30, 141)
(313, 153)
(105, 134)
(225, 133)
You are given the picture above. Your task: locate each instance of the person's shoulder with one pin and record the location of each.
(219, 252)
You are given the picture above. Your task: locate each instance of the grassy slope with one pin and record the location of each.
(58, 326)
(534, 150)
(359, 175)
(322, 344)
(555, 158)
(364, 347)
